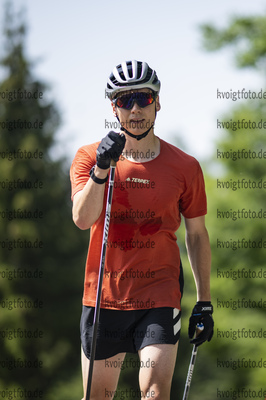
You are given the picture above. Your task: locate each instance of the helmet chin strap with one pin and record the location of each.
(137, 137)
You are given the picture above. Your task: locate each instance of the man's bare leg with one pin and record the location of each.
(155, 381)
(105, 376)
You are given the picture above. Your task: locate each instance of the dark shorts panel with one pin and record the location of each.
(129, 331)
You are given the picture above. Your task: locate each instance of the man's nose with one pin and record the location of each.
(135, 107)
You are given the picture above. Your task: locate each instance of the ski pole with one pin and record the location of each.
(192, 365)
(101, 274)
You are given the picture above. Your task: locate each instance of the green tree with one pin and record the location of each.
(41, 252)
(237, 214)
(247, 35)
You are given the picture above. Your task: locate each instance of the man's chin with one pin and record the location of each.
(138, 129)
(137, 132)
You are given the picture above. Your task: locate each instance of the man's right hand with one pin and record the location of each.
(110, 148)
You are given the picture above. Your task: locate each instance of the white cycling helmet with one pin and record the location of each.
(132, 75)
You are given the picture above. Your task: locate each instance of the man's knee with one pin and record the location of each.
(155, 381)
(156, 390)
(154, 393)
(156, 384)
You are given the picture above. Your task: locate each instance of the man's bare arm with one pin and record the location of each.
(88, 202)
(199, 254)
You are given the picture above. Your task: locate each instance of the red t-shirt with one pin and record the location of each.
(142, 257)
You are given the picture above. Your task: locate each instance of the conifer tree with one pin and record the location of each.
(42, 253)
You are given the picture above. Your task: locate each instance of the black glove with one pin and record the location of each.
(201, 314)
(109, 149)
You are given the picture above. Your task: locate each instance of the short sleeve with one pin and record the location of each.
(84, 160)
(193, 202)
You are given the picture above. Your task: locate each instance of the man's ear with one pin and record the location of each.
(114, 109)
(157, 103)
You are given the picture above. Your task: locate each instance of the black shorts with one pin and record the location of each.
(122, 331)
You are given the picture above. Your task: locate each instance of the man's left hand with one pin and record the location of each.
(202, 315)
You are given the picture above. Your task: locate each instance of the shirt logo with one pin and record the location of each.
(138, 180)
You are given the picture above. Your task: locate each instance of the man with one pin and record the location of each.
(143, 280)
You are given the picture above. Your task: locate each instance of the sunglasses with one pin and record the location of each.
(141, 98)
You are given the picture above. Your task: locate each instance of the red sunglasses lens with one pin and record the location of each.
(142, 99)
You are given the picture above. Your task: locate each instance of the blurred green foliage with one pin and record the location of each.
(226, 361)
(41, 215)
(247, 36)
